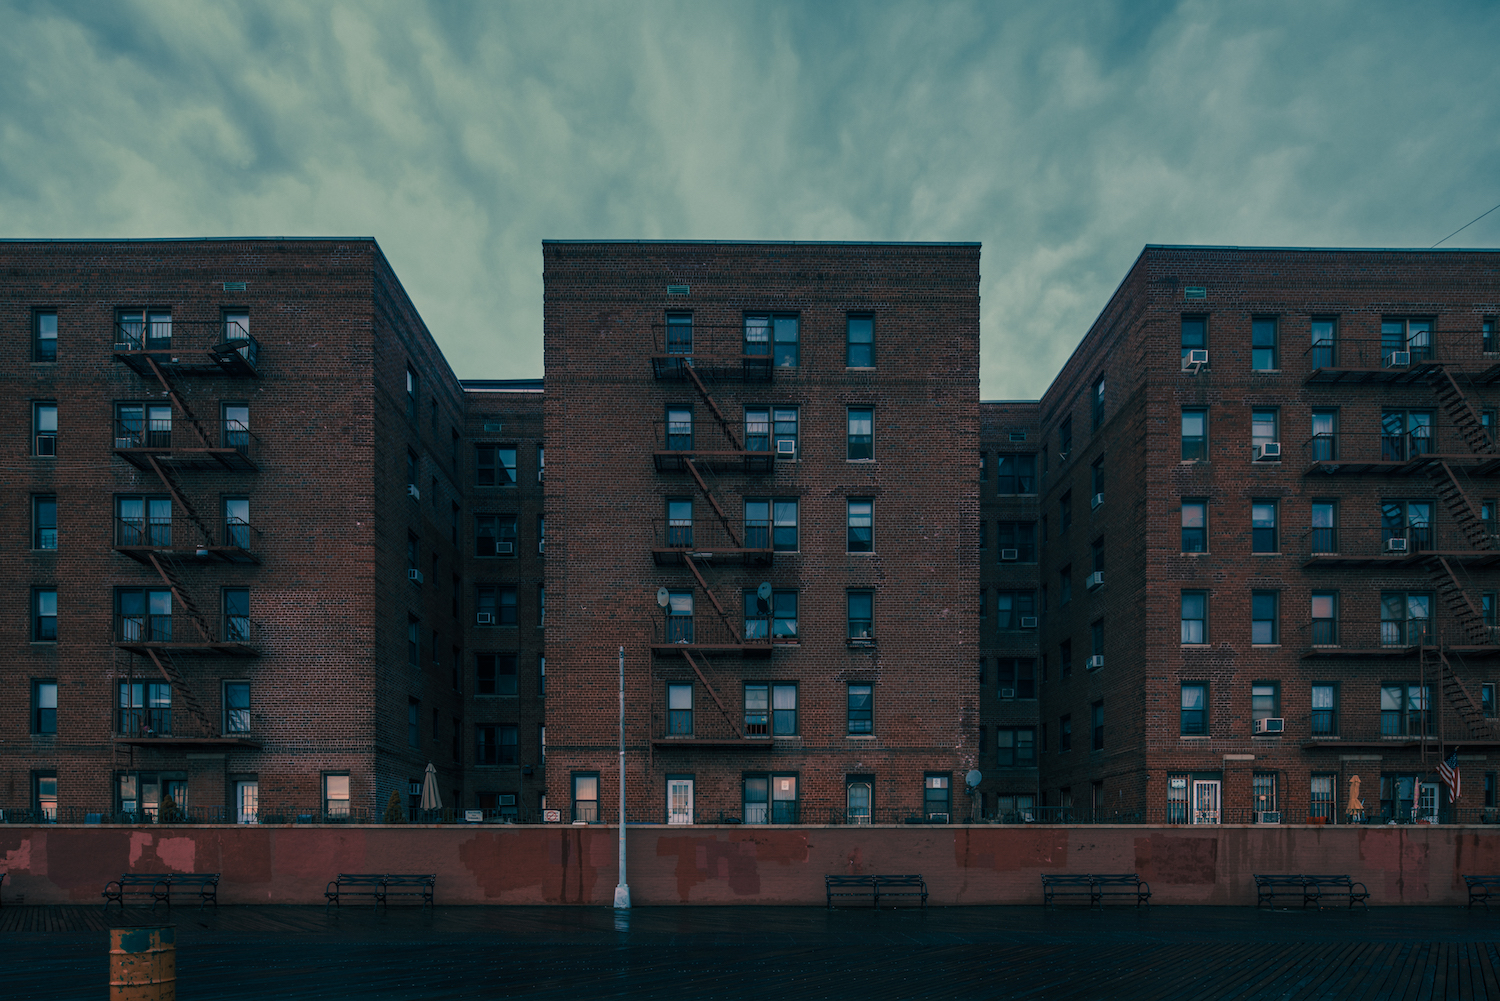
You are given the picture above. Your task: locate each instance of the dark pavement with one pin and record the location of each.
(774, 952)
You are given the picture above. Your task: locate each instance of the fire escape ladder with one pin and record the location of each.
(1460, 411)
(1464, 703)
(713, 406)
(713, 501)
(1457, 599)
(181, 501)
(180, 595)
(1445, 482)
(178, 402)
(180, 687)
(713, 598)
(713, 694)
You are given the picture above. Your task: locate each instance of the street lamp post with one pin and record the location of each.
(622, 888)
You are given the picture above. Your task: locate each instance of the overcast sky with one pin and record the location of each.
(1064, 136)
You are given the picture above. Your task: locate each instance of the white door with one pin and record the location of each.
(1427, 806)
(1205, 801)
(247, 802)
(679, 801)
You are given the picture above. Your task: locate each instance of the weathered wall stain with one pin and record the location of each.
(1177, 861)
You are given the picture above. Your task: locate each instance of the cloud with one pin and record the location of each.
(1064, 136)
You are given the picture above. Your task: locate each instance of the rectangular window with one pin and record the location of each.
(236, 707)
(44, 706)
(142, 616)
(413, 723)
(1194, 526)
(984, 469)
(1263, 793)
(861, 709)
(1098, 400)
(145, 708)
(1194, 435)
(1194, 617)
(336, 795)
(861, 615)
(44, 336)
(1015, 474)
(44, 786)
(783, 710)
(679, 333)
(1064, 512)
(1015, 747)
(1263, 345)
(414, 644)
(1410, 521)
(679, 429)
(861, 443)
(1265, 431)
(1064, 734)
(1177, 799)
(1263, 534)
(44, 521)
(1096, 636)
(679, 617)
(1265, 700)
(1194, 334)
(1325, 709)
(1325, 526)
(236, 615)
(1487, 700)
(509, 737)
(1065, 586)
(1405, 617)
(1487, 342)
(783, 511)
(680, 710)
(1325, 618)
(44, 615)
(1325, 435)
(1324, 330)
(936, 805)
(861, 538)
(494, 465)
(586, 797)
(1409, 335)
(774, 617)
(44, 429)
(784, 432)
(1016, 540)
(1194, 722)
(1065, 436)
(486, 745)
(1405, 434)
(1405, 710)
(1016, 677)
(785, 350)
(411, 394)
(1097, 712)
(1320, 798)
(1489, 788)
(1012, 607)
(143, 521)
(757, 710)
(1065, 657)
(1264, 618)
(860, 334)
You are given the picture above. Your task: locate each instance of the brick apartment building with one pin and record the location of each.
(1268, 538)
(762, 464)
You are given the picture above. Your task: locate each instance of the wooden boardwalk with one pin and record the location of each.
(1172, 954)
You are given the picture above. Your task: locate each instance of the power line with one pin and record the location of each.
(1464, 227)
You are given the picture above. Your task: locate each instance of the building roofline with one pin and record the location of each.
(1326, 250)
(190, 239)
(501, 385)
(781, 243)
(1009, 401)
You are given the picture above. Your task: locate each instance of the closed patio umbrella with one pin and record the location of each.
(430, 798)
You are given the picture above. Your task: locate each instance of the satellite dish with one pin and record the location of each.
(973, 778)
(662, 597)
(764, 591)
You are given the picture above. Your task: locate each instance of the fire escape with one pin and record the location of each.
(702, 455)
(157, 629)
(1448, 460)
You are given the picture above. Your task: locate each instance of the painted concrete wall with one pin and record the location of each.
(727, 865)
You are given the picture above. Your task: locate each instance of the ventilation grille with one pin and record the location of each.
(1194, 292)
(234, 286)
(678, 290)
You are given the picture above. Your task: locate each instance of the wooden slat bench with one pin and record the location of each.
(1267, 886)
(1339, 885)
(848, 886)
(1311, 888)
(875, 886)
(380, 887)
(1480, 889)
(1095, 886)
(158, 886)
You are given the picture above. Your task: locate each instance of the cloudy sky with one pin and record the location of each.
(1063, 135)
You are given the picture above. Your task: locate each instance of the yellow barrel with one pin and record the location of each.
(143, 963)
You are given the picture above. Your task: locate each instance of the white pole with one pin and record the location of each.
(622, 889)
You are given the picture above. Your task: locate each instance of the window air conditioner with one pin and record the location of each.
(786, 446)
(1028, 622)
(1096, 501)
(1096, 579)
(415, 575)
(486, 618)
(1270, 450)
(1196, 359)
(1398, 359)
(1268, 817)
(1095, 662)
(1395, 545)
(1273, 724)
(412, 491)
(505, 548)
(1007, 693)
(1010, 554)
(541, 545)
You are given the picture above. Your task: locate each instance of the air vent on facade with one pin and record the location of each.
(1018, 436)
(1194, 292)
(496, 427)
(234, 286)
(678, 290)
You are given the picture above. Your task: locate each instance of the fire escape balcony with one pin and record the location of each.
(140, 442)
(179, 540)
(1380, 360)
(1406, 548)
(676, 634)
(1395, 455)
(709, 543)
(1328, 639)
(178, 347)
(711, 451)
(715, 353)
(238, 635)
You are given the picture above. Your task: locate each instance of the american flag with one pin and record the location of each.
(1448, 770)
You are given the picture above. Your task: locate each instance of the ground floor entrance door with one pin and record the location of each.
(679, 801)
(1205, 801)
(247, 802)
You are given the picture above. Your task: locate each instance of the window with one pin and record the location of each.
(45, 795)
(541, 606)
(144, 329)
(236, 615)
(860, 342)
(783, 710)
(1487, 342)
(1405, 617)
(1064, 512)
(44, 428)
(1324, 720)
(1264, 430)
(509, 743)
(336, 795)
(1265, 700)
(1097, 712)
(1320, 797)
(494, 535)
(1405, 710)
(1065, 586)
(1487, 700)
(44, 615)
(236, 511)
(757, 710)
(861, 537)
(143, 521)
(1012, 607)
(680, 710)
(496, 673)
(1194, 526)
(1065, 657)
(679, 617)
(1325, 435)
(1194, 617)
(143, 616)
(494, 465)
(1065, 436)
(1489, 788)
(1264, 617)
(411, 394)
(1194, 435)
(680, 333)
(779, 515)
(861, 709)
(1194, 722)
(486, 745)
(1263, 792)
(1016, 677)
(1263, 534)
(1405, 434)
(935, 798)
(1408, 520)
(145, 708)
(413, 723)
(1016, 540)
(1325, 522)
(1096, 481)
(1015, 474)
(862, 434)
(784, 431)
(1096, 549)
(236, 707)
(679, 429)
(1263, 345)
(1325, 618)
(984, 535)
(44, 336)
(1096, 636)
(1098, 399)
(586, 796)
(1194, 334)
(1398, 334)
(414, 644)
(1015, 747)
(774, 617)
(1487, 515)
(861, 615)
(1323, 342)
(984, 473)
(44, 521)
(44, 706)
(1064, 734)
(784, 343)
(235, 421)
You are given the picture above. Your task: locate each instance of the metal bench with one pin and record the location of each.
(1268, 886)
(1312, 888)
(1066, 884)
(1095, 886)
(158, 886)
(206, 883)
(379, 887)
(874, 887)
(900, 886)
(848, 886)
(1480, 889)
